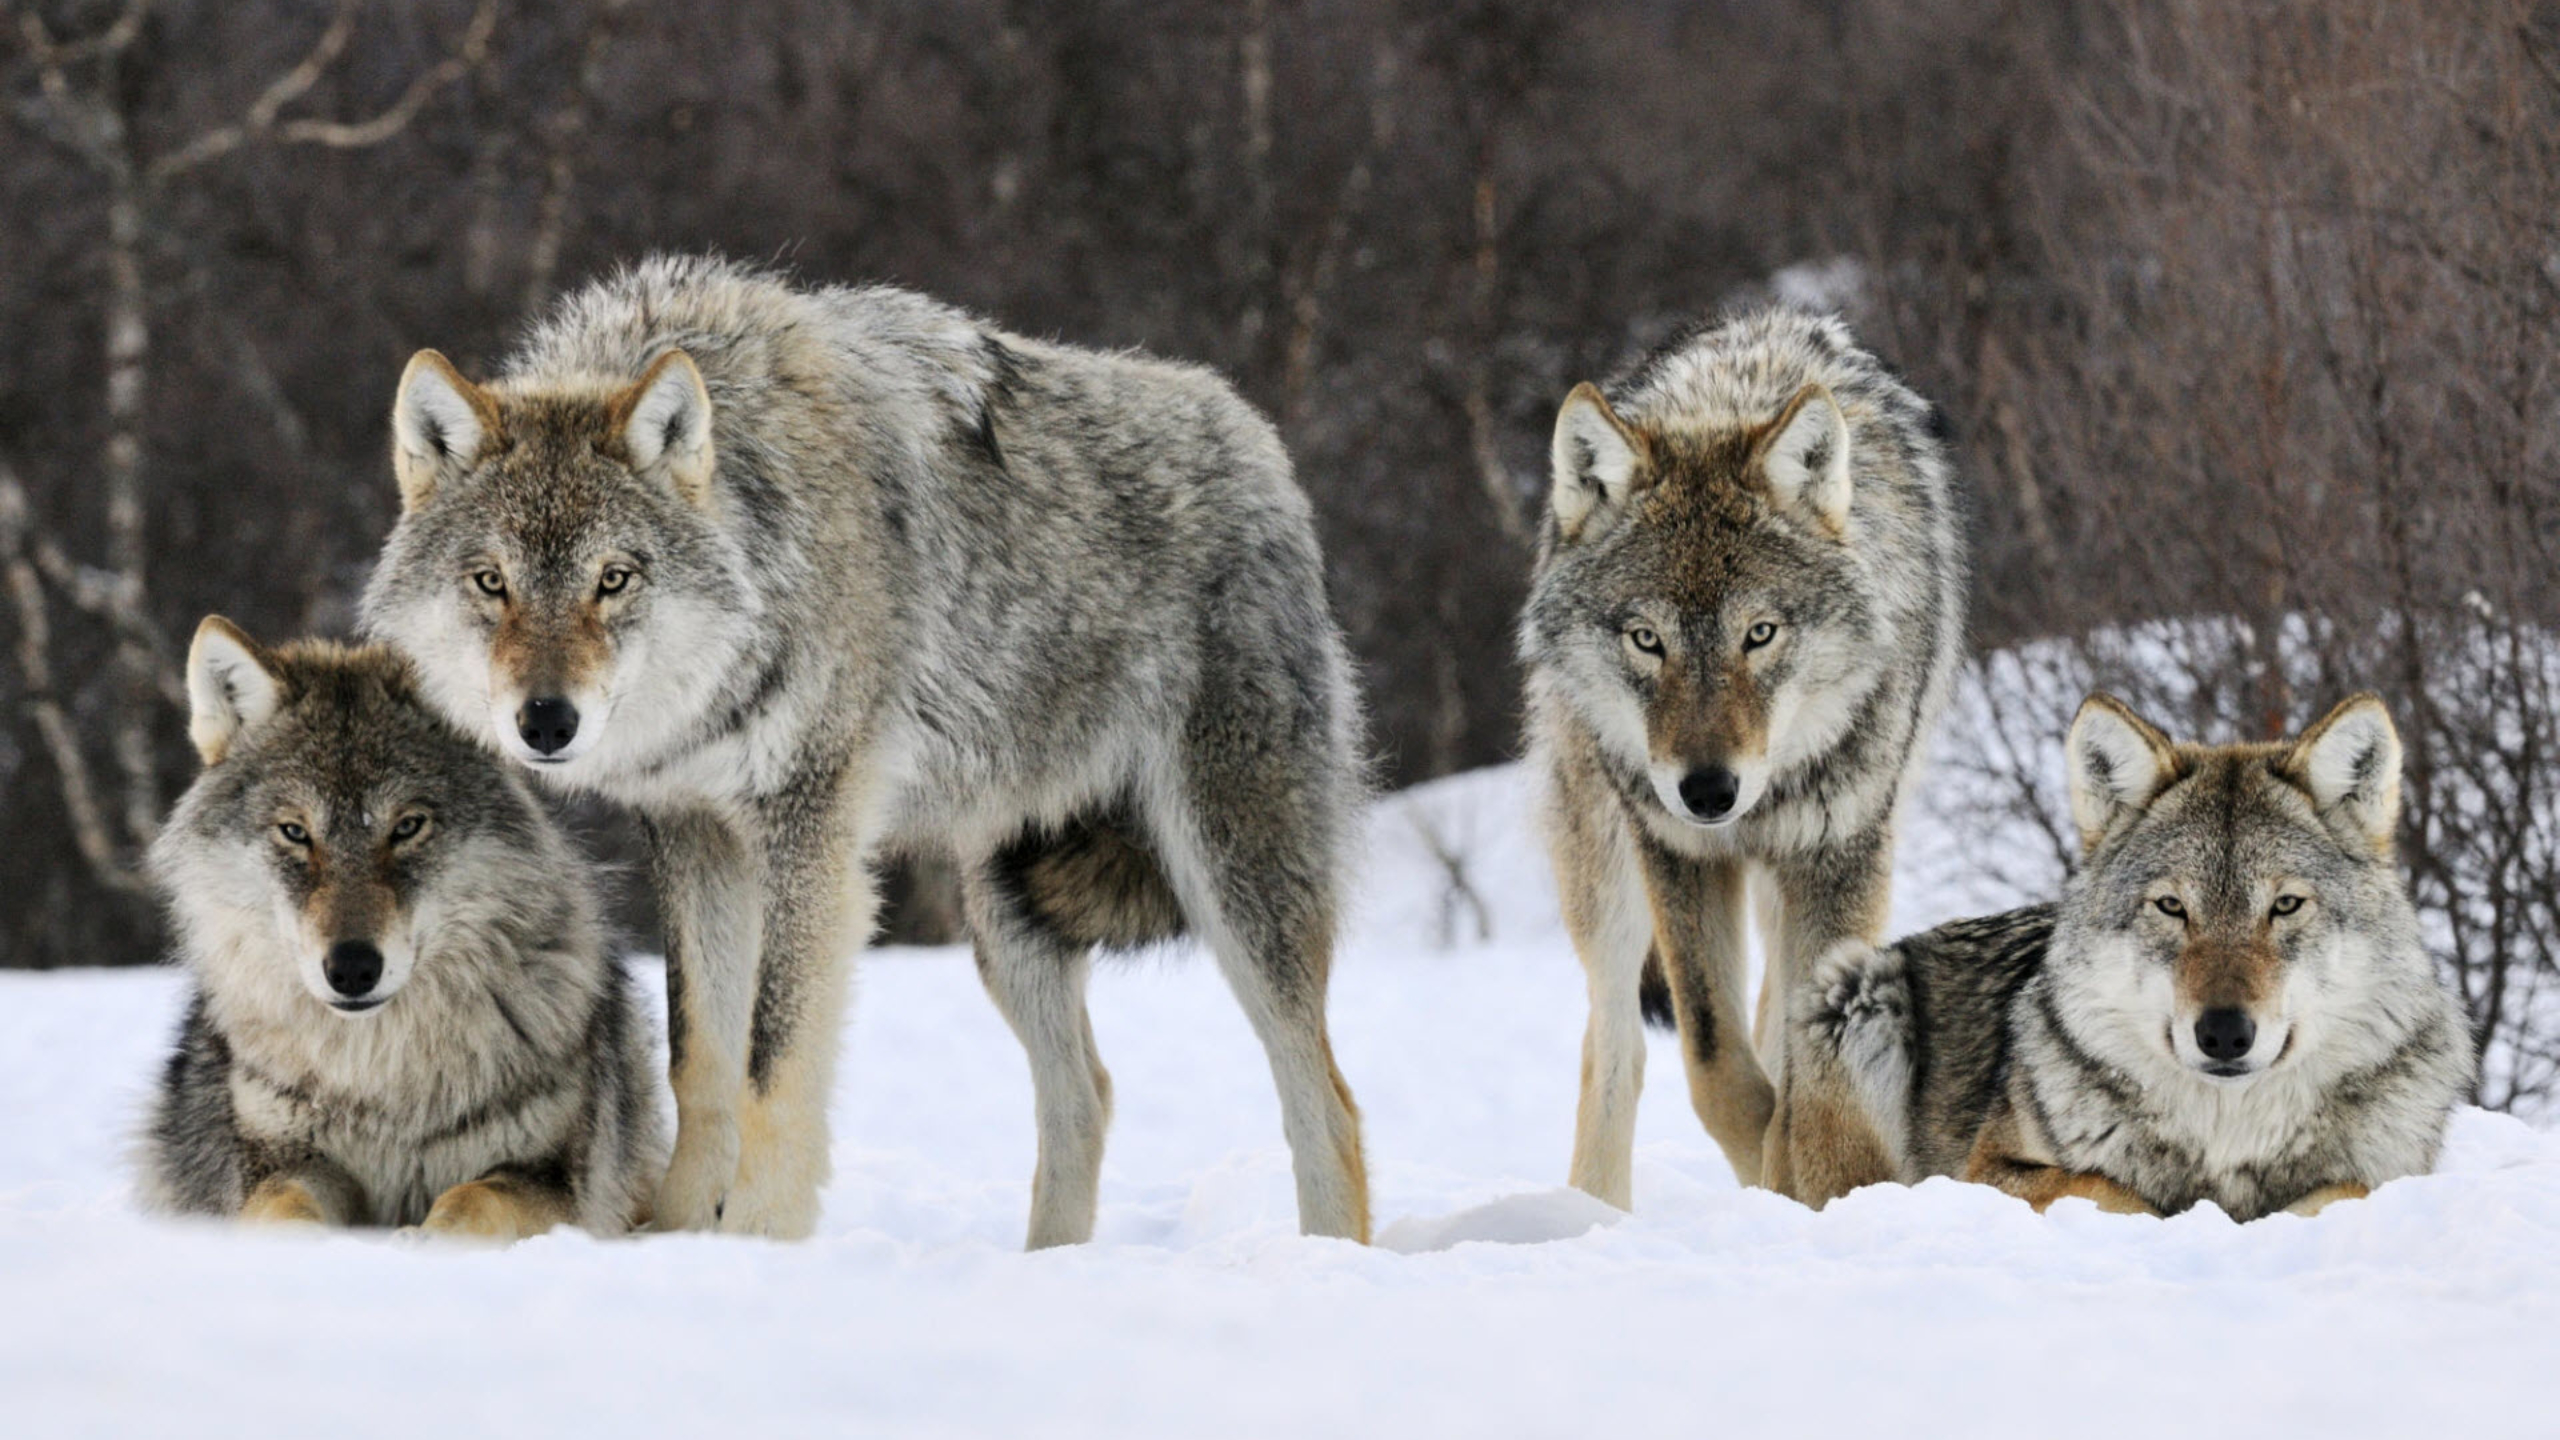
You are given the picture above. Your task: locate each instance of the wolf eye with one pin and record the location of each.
(614, 580)
(408, 828)
(1643, 638)
(492, 583)
(2286, 904)
(2168, 905)
(293, 833)
(1759, 635)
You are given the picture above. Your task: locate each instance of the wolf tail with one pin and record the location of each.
(1098, 882)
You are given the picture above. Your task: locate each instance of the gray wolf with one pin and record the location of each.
(403, 1010)
(2230, 1003)
(808, 576)
(1748, 602)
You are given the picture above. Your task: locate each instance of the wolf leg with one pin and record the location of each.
(1602, 889)
(1036, 976)
(313, 1193)
(709, 897)
(1250, 844)
(1697, 929)
(503, 1206)
(818, 908)
(1820, 1144)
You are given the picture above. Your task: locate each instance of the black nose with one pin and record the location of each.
(548, 724)
(1710, 791)
(2225, 1033)
(352, 967)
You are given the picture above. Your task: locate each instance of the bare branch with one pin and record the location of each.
(261, 122)
(89, 830)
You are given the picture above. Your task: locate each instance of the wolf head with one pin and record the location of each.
(559, 572)
(1698, 601)
(2240, 907)
(340, 832)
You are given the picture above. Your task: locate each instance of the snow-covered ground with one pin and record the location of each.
(1496, 1303)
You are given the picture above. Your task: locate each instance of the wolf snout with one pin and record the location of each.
(353, 968)
(1710, 791)
(547, 724)
(2225, 1033)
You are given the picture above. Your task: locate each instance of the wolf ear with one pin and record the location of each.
(439, 422)
(665, 424)
(1599, 459)
(2350, 762)
(1806, 457)
(231, 685)
(2117, 761)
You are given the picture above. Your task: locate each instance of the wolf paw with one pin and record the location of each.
(2326, 1196)
(697, 1181)
(768, 1211)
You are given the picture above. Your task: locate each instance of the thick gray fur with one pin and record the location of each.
(2042, 1037)
(513, 1049)
(1055, 612)
(1673, 531)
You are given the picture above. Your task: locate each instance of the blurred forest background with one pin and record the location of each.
(2244, 313)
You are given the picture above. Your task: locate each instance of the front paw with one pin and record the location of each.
(480, 1213)
(2326, 1196)
(692, 1195)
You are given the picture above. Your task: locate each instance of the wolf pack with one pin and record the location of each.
(808, 578)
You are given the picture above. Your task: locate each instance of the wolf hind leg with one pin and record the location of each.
(1036, 976)
(1251, 847)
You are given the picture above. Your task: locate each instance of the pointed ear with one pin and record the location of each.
(665, 424)
(231, 685)
(1805, 457)
(438, 425)
(2118, 761)
(1599, 460)
(2350, 762)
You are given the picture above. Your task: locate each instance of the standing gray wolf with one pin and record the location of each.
(1748, 603)
(807, 576)
(403, 1012)
(2230, 1003)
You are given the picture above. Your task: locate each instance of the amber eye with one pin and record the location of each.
(614, 580)
(1759, 635)
(2168, 905)
(2287, 904)
(1643, 638)
(408, 828)
(293, 834)
(492, 583)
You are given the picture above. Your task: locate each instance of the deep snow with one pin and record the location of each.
(1495, 1304)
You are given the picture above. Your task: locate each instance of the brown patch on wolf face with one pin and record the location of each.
(2219, 970)
(551, 650)
(348, 879)
(1707, 710)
